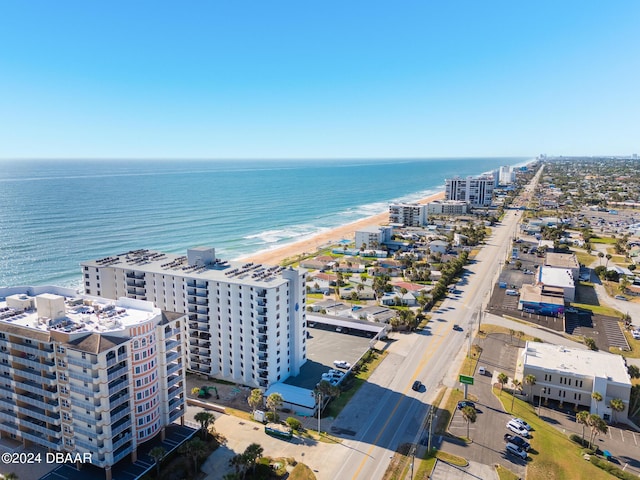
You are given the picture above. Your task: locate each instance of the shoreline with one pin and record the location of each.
(323, 239)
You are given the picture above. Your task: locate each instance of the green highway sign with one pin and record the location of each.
(466, 379)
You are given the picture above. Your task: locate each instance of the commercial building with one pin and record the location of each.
(476, 191)
(372, 237)
(571, 375)
(408, 214)
(89, 375)
(557, 277)
(563, 260)
(246, 322)
(447, 207)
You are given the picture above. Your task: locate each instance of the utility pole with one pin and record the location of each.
(430, 423)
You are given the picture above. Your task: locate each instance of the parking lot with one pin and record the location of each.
(324, 346)
(499, 354)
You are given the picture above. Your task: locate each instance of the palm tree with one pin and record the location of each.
(252, 453)
(531, 381)
(502, 378)
(274, 402)
(617, 405)
(204, 418)
(517, 385)
(597, 396)
(157, 453)
(601, 256)
(469, 415)
(582, 418)
(608, 256)
(597, 425)
(255, 398)
(194, 448)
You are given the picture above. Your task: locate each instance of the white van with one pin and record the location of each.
(482, 371)
(512, 292)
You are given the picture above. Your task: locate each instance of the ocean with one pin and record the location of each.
(55, 214)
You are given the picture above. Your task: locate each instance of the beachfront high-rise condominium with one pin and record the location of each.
(408, 214)
(86, 374)
(476, 191)
(447, 207)
(246, 322)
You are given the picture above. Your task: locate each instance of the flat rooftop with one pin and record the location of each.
(79, 315)
(534, 294)
(212, 269)
(557, 277)
(586, 363)
(562, 260)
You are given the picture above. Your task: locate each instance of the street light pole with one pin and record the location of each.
(319, 407)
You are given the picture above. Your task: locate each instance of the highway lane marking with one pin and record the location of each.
(430, 352)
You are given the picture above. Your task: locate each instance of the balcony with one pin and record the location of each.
(39, 401)
(40, 440)
(83, 377)
(175, 414)
(40, 427)
(118, 385)
(173, 367)
(32, 349)
(176, 402)
(119, 414)
(87, 392)
(121, 427)
(31, 362)
(172, 356)
(90, 419)
(41, 414)
(83, 404)
(120, 455)
(113, 360)
(89, 447)
(262, 329)
(86, 431)
(263, 338)
(175, 391)
(30, 386)
(262, 320)
(117, 373)
(171, 380)
(119, 400)
(33, 375)
(118, 443)
(169, 345)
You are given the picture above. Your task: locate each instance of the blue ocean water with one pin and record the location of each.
(55, 214)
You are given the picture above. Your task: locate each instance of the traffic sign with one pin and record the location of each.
(466, 379)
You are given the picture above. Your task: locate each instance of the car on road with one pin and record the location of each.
(417, 386)
(515, 427)
(516, 450)
(518, 441)
(341, 364)
(620, 297)
(466, 403)
(457, 328)
(482, 371)
(522, 422)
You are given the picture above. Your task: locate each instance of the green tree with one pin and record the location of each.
(194, 448)
(251, 455)
(634, 371)
(597, 396)
(294, 423)
(582, 418)
(517, 385)
(469, 415)
(157, 453)
(255, 398)
(617, 405)
(590, 343)
(204, 418)
(531, 381)
(597, 426)
(503, 379)
(274, 402)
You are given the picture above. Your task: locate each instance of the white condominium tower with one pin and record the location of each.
(476, 191)
(246, 322)
(88, 375)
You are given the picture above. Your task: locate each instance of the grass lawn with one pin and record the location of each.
(506, 474)
(552, 455)
(488, 328)
(634, 344)
(584, 258)
(599, 309)
(606, 240)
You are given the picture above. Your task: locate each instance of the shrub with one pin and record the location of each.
(294, 423)
(612, 469)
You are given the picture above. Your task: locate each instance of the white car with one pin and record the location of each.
(636, 334)
(341, 364)
(522, 422)
(515, 427)
(516, 450)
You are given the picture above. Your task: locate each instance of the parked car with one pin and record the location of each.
(518, 441)
(522, 422)
(516, 450)
(466, 403)
(515, 427)
(482, 371)
(512, 292)
(620, 297)
(341, 364)
(635, 334)
(417, 386)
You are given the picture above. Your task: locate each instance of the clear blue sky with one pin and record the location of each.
(313, 79)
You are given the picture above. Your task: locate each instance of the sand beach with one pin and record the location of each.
(330, 237)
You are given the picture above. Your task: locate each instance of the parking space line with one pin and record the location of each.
(610, 436)
(622, 435)
(634, 438)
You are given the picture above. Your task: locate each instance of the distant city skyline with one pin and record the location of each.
(336, 80)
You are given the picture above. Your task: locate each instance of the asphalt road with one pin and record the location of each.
(386, 412)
